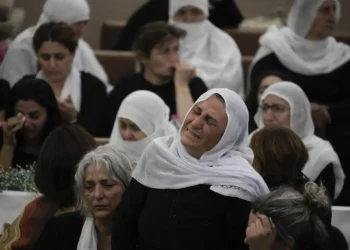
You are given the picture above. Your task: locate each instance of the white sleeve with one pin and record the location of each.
(90, 64)
(18, 62)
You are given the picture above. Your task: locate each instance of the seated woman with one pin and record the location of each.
(222, 13)
(81, 96)
(4, 96)
(54, 177)
(32, 113)
(101, 178)
(193, 190)
(21, 60)
(311, 57)
(265, 80)
(213, 52)
(142, 117)
(287, 219)
(157, 48)
(285, 104)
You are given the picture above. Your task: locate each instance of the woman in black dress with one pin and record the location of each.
(81, 96)
(193, 190)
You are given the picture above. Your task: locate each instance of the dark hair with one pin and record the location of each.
(155, 33)
(297, 215)
(56, 32)
(40, 92)
(279, 156)
(252, 97)
(57, 162)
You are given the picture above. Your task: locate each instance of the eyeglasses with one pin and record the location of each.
(275, 108)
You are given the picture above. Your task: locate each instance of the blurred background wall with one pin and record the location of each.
(102, 10)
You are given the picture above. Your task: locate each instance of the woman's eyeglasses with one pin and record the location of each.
(275, 108)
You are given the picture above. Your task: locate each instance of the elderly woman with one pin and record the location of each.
(54, 177)
(313, 59)
(193, 190)
(213, 52)
(21, 60)
(101, 178)
(285, 104)
(31, 114)
(142, 117)
(81, 96)
(288, 219)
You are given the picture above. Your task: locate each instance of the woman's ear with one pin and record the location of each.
(141, 57)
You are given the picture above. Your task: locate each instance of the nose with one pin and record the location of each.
(174, 57)
(52, 62)
(27, 123)
(197, 122)
(268, 115)
(188, 17)
(98, 192)
(128, 135)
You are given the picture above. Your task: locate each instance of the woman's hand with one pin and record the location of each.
(184, 74)
(67, 109)
(10, 128)
(261, 235)
(321, 118)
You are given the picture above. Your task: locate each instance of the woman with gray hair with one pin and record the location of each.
(286, 219)
(101, 178)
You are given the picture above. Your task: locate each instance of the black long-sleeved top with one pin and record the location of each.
(187, 219)
(4, 93)
(93, 104)
(224, 14)
(129, 84)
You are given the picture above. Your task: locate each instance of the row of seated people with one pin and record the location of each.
(82, 97)
(200, 188)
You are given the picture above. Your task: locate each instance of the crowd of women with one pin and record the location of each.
(189, 164)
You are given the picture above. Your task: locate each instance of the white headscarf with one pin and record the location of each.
(149, 112)
(71, 87)
(321, 152)
(166, 164)
(297, 53)
(215, 54)
(21, 60)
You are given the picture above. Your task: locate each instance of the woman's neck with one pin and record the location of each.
(155, 79)
(104, 230)
(32, 146)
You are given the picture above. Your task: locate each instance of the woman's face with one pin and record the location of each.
(189, 14)
(36, 118)
(324, 22)
(129, 131)
(80, 28)
(163, 59)
(101, 192)
(55, 60)
(275, 112)
(266, 82)
(204, 126)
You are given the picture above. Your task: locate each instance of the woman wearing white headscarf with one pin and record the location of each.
(306, 52)
(214, 53)
(142, 117)
(285, 104)
(193, 190)
(21, 60)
